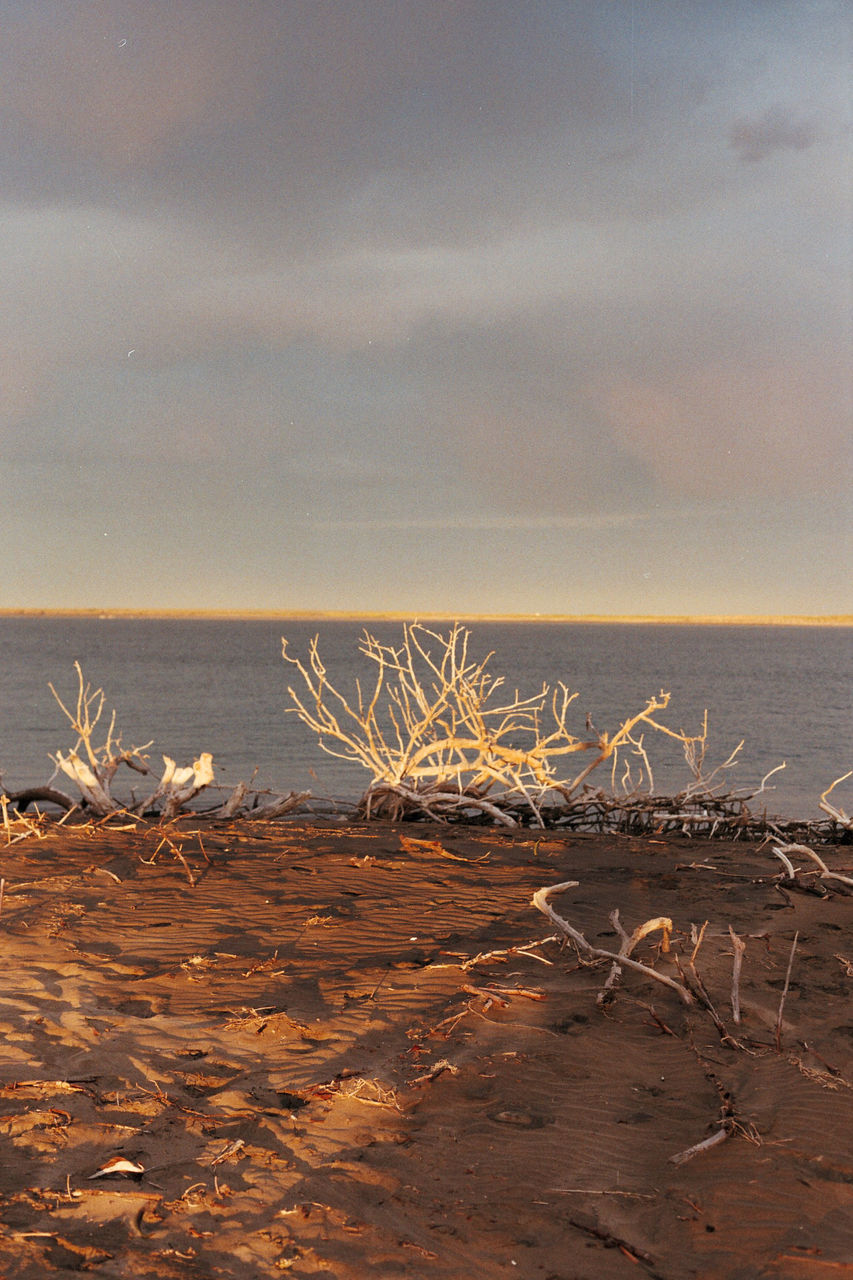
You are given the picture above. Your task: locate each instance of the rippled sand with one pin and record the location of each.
(298, 1036)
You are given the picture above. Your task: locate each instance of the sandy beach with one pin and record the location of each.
(345, 1050)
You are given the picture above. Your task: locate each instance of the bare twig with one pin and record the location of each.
(528, 949)
(785, 993)
(740, 947)
(435, 1070)
(837, 814)
(683, 1156)
(697, 941)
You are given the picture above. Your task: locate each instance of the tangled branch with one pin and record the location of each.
(92, 767)
(440, 740)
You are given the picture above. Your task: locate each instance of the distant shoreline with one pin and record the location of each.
(272, 615)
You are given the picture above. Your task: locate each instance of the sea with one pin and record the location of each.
(188, 685)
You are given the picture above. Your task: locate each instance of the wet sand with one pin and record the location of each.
(297, 1035)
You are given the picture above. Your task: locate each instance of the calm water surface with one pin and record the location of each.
(221, 685)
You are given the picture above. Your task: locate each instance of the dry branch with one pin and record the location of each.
(837, 814)
(783, 850)
(92, 767)
(540, 901)
(683, 1156)
(439, 741)
(740, 947)
(785, 993)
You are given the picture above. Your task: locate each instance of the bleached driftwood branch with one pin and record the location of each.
(783, 850)
(623, 956)
(92, 768)
(438, 740)
(177, 787)
(837, 814)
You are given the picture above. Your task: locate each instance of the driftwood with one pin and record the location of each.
(739, 949)
(719, 1136)
(443, 746)
(440, 743)
(623, 956)
(39, 795)
(778, 1037)
(92, 768)
(782, 852)
(838, 815)
(178, 787)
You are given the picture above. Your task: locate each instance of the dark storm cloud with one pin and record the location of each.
(297, 105)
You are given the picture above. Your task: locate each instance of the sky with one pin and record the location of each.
(460, 306)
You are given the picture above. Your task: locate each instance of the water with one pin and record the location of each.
(221, 685)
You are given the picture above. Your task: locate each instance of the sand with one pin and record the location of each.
(298, 1038)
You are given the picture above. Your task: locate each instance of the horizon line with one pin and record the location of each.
(346, 615)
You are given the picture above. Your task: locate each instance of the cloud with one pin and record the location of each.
(395, 268)
(287, 108)
(738, 426)
(776, 130)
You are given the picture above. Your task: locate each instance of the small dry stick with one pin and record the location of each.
(526, 950)
(435, 1070)
(681, 1157)
(176, 850)
(658, 1021)
(2, 891)
(784, 994)
(231, 1149)
(739, 946)
(590, 1191)
(706, 1000)
(182, 859)
(698, 943)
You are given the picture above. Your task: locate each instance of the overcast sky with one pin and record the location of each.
(426, 305)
